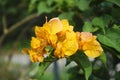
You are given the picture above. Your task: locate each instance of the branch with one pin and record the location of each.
(4, 22)
(16, 25)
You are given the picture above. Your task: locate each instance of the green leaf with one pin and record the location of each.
(97, 21)
(32, 5)
(87, 27)
(43, 8)
(111, 38)
(117, 2)
(103, 58)
(37, 71)
(49, 2)
(82, 4)
(66, 15)
(70, 3)
(106, 20)
(68, 61)
(33, 1)
(43, 67)
(115, 26)
(33, 69)
(82, 60)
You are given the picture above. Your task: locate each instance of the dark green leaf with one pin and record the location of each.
(68, 61)
(106, 20)
(82, 60)
(117, 2)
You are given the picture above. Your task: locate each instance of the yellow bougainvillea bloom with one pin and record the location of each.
(67, 42)
(36, 57)
(70, 44)
(53, 26)
(88, 43)
(45, 36)
(35, 43)
(58, 36)
(55, 33)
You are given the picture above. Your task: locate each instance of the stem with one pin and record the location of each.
(14, 26)
(4, 22)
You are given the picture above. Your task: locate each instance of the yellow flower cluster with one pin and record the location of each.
(60, 36)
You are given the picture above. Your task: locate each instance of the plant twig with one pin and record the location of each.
(4, 22)
(16, 25)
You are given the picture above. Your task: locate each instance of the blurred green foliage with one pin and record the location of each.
(101, 17)
(98, 16)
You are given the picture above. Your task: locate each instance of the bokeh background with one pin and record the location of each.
(19, 17)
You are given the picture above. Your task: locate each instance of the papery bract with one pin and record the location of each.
(88, 44)
(58, 37)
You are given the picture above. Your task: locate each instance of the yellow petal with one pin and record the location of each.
(68, 46)
(66, 25)
(25, 50)
(86, 36)
(58, 50)
(92, 53)
(53, 26)
(35, 57)
(40, 32)
(92, 49)
(35, 43)
(53, 40)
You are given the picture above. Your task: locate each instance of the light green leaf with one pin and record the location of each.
(82, 60)
(103, 58)
(97, 21)
(32, 5)
(33, 1)
(49, 2)
(116, 26)
(43, 8)
(70, 3)
(38, 70)
(117, 2)
(43, 67)
(87, 27)
(82, 4)
(66, 15)
(111, 38)
(33, 69)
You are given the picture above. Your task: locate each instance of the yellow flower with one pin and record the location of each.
(88, 44)
(45, 36)
(35, 43)
(40, 33)
(92, 49)
(36, 57)
(70, 44)
(67, 42)
(53, 26)
(59, 36)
